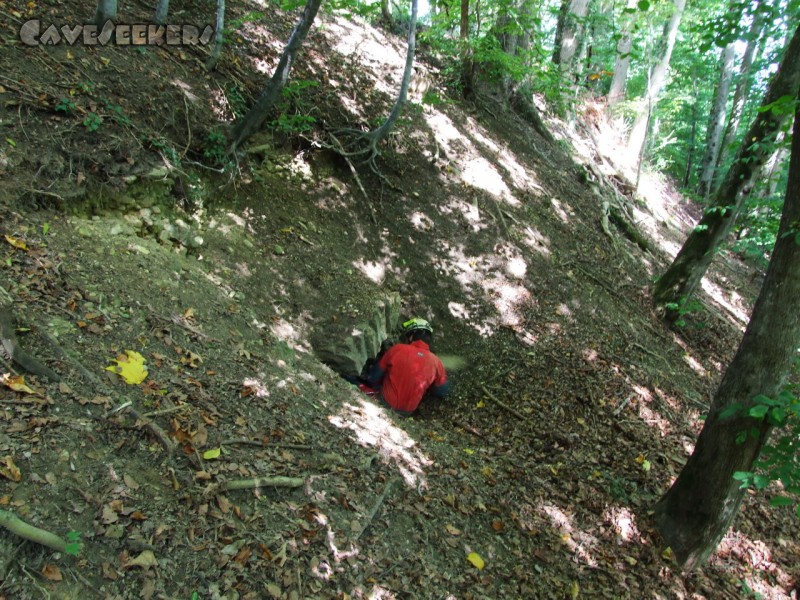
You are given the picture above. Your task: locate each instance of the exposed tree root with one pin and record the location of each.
(24, 530)
(10, 348)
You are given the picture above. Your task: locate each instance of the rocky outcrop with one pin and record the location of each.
(347, 344)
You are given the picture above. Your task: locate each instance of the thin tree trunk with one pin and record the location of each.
(716, 120)
(162, 10)
(106, 11)
(623, 60)
(692, 138)
(386, 11)
(658, 78)
(248, 124)
(211, 63)
(740, 90)
(382, 131)
(700, 506)
(569, 31)
(685, 273)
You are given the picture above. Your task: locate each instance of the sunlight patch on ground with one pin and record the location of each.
(374, 428)
(373, 270)
(767, 580)
(292, 334)
(578, 542)
(421, 221)
(254, 387)
(469, 211)
(732, 305)
(480, 173)
(563, 210)
(535, 240)
(647, 414)
(624, 523)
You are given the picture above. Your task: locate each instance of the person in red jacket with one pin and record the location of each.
(408, 370)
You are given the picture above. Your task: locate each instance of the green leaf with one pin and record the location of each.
(741, 437)
(760, 481)
(731, 411)
(643, 5)
(781, 501)
(758, 411)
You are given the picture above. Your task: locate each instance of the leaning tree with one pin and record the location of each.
(683, 276)
(700, 506)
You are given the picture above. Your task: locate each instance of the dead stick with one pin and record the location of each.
(377, 506)
(244, 484)
(494, 398)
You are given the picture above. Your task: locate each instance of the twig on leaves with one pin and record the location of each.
(377, 506)
(501, 404)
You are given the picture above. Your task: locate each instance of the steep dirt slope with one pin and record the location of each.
(576, 409)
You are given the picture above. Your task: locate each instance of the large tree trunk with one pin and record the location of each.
(700, 506)
(716, 120)
(106, 11)
(211, 63)
(248, 124)
(658, 78)
(162, 9)
(569, 31)
(741, 89)
(620, 78)
(685, 273)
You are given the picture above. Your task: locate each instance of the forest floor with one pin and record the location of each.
(534, 479)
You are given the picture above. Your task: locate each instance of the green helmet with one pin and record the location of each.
(417, 324)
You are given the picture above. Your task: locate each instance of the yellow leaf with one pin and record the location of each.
(469, 451)
(480, 404)
(574, 590)
(581, 421)
(17, 383)
(130, 366)
(9, 470)
(452, 530)
(145, 560)
(667, 554)
(640, 459)
(105, 61)
(212, 454)
(476, 560)
(16, 243)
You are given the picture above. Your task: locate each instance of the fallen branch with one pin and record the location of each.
(501, 404)
(10, 347)
(245, 484)
(24, 530)
(377, 506)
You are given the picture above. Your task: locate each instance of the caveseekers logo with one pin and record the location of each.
(139, 34)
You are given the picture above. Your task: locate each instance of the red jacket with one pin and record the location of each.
(408, 371)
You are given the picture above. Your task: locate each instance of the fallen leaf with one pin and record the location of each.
(9, 470)
(130, 366)
(574, 590)
(212, 454)
(52, 572)
(144, 561)
(17, 383)
(17, 243)
(452, 530)
(476, 560)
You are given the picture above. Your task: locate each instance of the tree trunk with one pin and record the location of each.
(386, 11)
(684, 274)
(248, 124)
(700, 506)
(716, 120)
(211, 63)
(741, 89)
(619, 81)
(162, 10)
(658, 78)
(692, 138)
(106, 11)
(569, 30)
(382, 131)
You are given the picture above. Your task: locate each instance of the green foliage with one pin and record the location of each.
(65, 105)
(92, 121)
(780, 459)
(74, 543)
(215, 147)
(115, 112)
(293, 108)
(236, 101)
(165, 148)
(684, 306)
